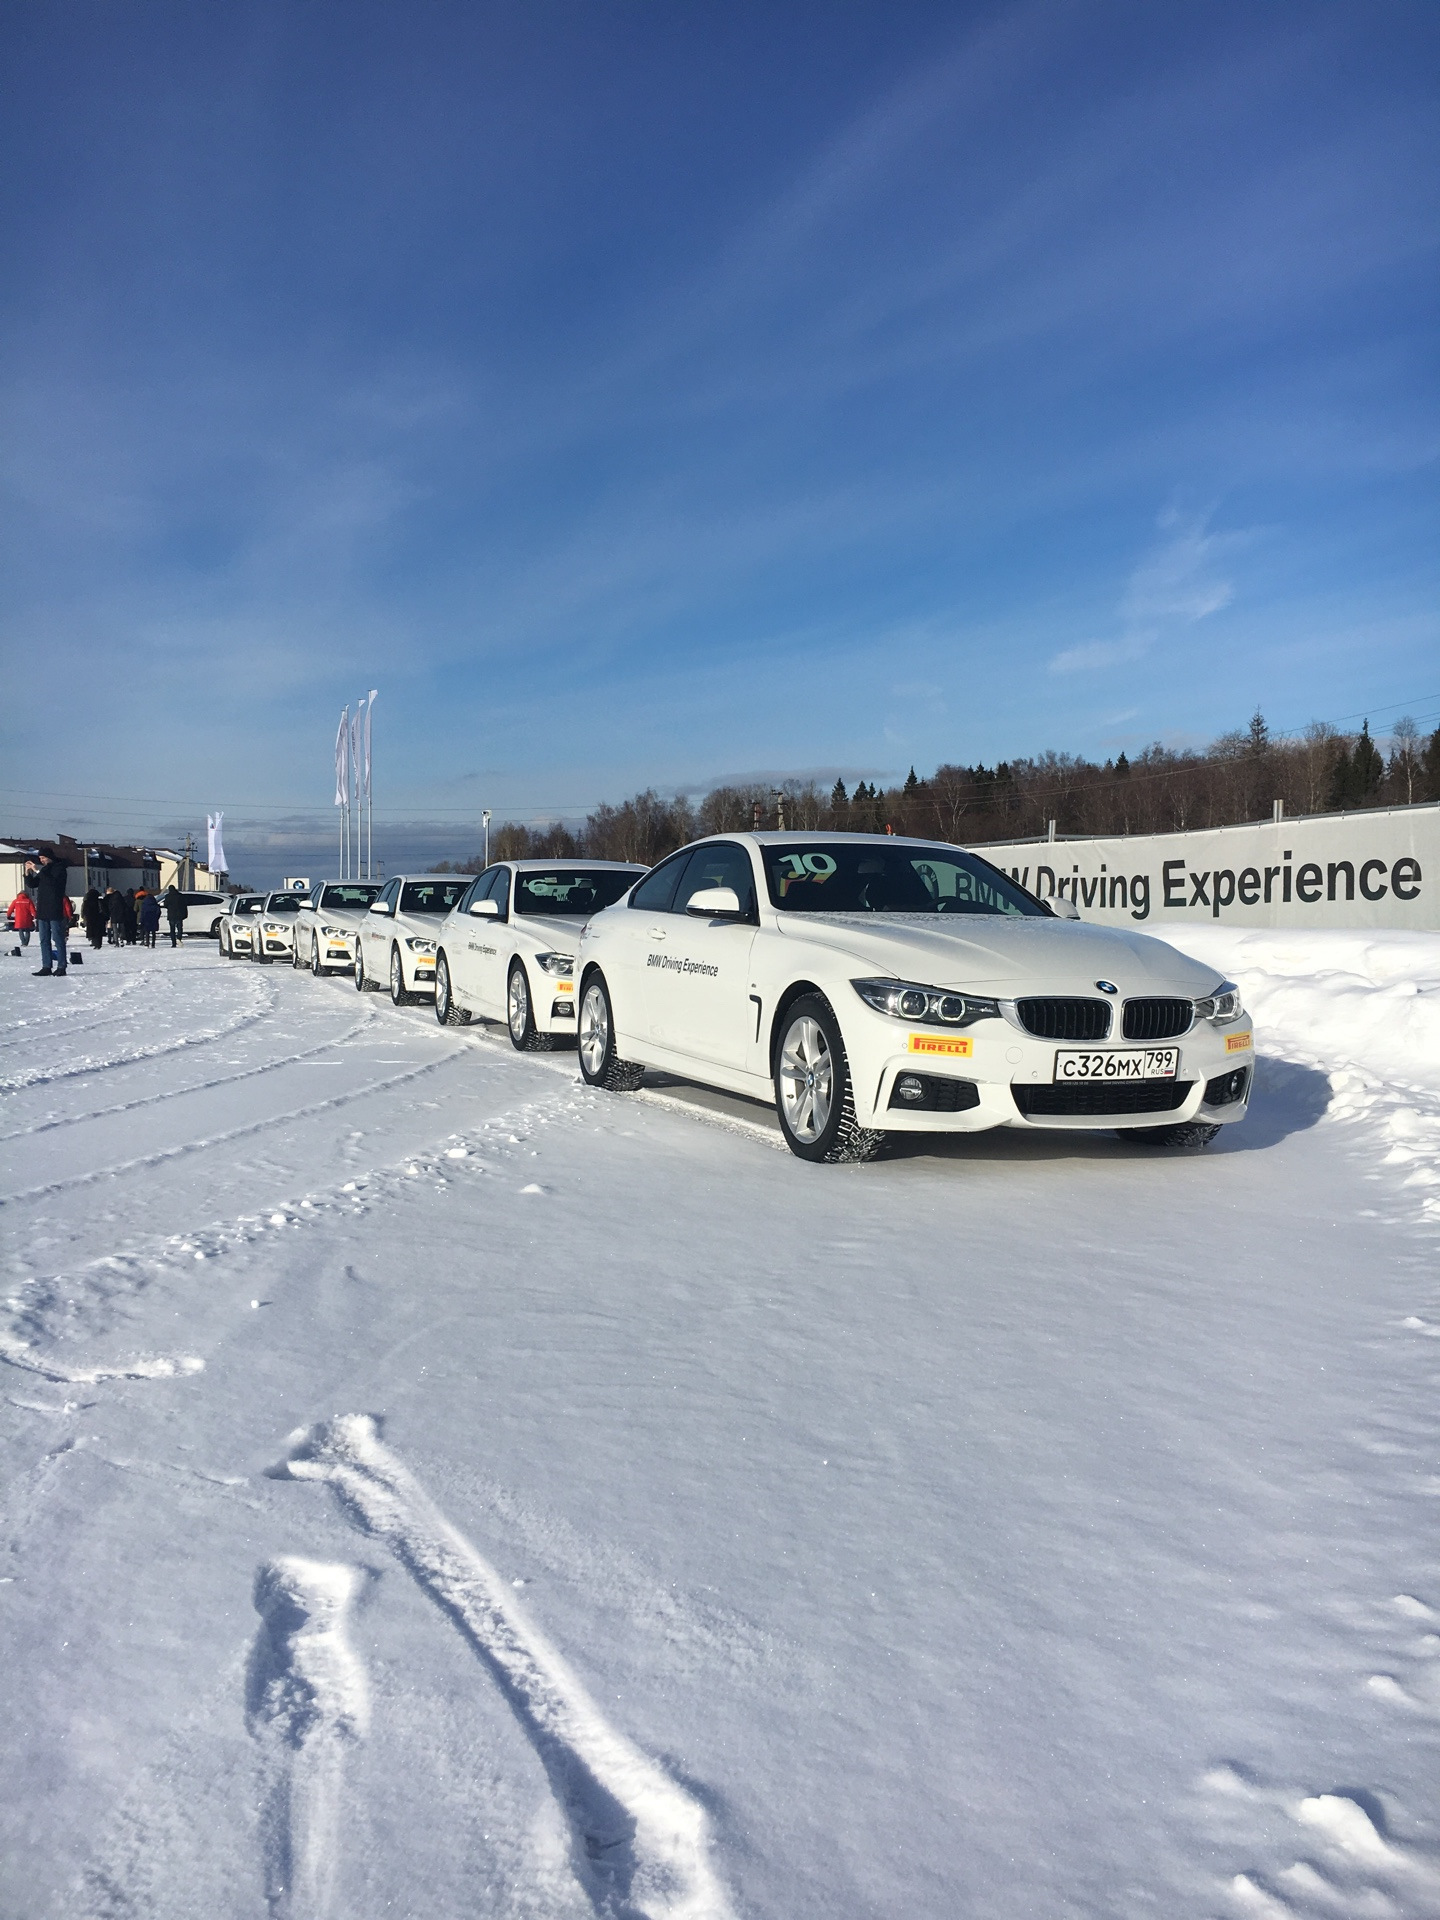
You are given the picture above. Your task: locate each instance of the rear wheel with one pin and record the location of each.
(397, 979)
(814, 1097)
(599, 1064)
(363, 982)
(1186, 1133)
(446, 1011)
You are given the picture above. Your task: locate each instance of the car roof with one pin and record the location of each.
(573, 860)
(441, 879)
(774, 838)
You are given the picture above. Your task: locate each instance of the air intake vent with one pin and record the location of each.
(1065, 1019)
(1096, 1098)
(1157, 1019)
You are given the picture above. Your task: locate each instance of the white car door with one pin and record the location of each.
(635, 936)
(378, 932)
(697, 983)
(472, 960)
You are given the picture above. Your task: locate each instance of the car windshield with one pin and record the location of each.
(248, 906)
(573, 891)
(283, 903)
(432, 896)
(336, 897)
(840, 876)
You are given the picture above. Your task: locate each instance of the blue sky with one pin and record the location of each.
(641, 394)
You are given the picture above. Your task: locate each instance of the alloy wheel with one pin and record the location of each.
(807, 1079)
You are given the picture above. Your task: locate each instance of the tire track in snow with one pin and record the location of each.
(641, 1844)
(44, 1076)
(17, 1353)
(185, 1147)
(306, 1702)
(198, 1086)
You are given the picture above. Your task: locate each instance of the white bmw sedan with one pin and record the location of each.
(871, 985)
(399, 931)
(273, 935)
(237, 925)
(507, 950)
(327, 928)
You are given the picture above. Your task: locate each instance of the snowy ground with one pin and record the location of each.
(432, 1489)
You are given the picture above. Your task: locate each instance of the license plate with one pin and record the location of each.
(1149, 1063)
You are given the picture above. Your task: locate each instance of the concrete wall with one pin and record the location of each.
(1379, 869)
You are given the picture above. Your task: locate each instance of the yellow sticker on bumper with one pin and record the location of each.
(565, 986)
(956, 1046)
(1237, 1042)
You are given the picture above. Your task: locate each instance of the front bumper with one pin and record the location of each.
(995, 1075)
(553, 1001)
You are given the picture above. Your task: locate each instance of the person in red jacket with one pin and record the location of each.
(22, 917)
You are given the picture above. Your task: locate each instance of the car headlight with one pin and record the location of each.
(421, 946)
(269, 928)
(333, 933)
(903, 1000)
(559, 963)
(1222, 1006)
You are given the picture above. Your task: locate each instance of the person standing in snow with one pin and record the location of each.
(92, 915)
(148, 908)
(132, 919)
(49, 889)
(175, 913)
(22, 917)
(114, 916)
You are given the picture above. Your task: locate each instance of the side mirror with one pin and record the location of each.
(715, 903)
(485, 909)
(379, 906)
(1063, 909)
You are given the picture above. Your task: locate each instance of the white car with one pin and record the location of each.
(508, 948)
(327, 927)
(274, 935)
(871, 985)
(398, 933)
(237, 924)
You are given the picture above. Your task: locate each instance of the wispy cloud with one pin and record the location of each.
(1178, 583)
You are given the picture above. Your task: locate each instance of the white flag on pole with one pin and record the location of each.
(216, 861)
(369, 709)
(342, 759)
(355, 749)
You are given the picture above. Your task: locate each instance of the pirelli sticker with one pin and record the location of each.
(1237, 1042)
(953, 1046)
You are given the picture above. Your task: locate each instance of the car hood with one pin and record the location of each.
(563, 929)
(1003, 955)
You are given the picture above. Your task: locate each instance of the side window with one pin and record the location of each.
(657, 889)
(499, 890)
(721, 865)
(391, 893)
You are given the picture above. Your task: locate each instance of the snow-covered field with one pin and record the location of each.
(433, 1489)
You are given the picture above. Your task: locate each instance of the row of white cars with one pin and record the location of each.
(865, 985)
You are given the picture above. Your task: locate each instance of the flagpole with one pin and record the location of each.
(369, 802)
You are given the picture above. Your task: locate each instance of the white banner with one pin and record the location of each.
(1379, 869)
(216, 860)
(342, 760)
(369, 710)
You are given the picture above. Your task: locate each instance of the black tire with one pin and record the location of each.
(447, 1013)
(600, 1066)
(363, 982)
(520, 1013)
(1185, 1133)
(399, 997)
(817, 1113)
(315, 966)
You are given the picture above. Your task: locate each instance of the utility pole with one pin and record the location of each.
(779, 811)
(485, 823)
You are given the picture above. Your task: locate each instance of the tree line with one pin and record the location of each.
(1162, 790)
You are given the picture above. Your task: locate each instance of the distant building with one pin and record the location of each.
(184, 871)
(92, 863)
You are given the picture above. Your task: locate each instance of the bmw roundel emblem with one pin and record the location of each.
(1107, 986)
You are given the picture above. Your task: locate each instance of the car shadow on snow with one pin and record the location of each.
(1288, 1098)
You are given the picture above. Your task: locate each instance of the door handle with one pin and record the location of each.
(658, 933)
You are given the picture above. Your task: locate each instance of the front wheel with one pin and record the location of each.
(1185, 1133)
(398, 995)
(315, 966)
(520, 1014)
(599, 1064)
(363, 982)
(446, 1011)
(814, 1097)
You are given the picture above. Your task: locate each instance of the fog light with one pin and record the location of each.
(908, 1087)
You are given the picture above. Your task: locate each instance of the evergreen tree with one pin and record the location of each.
(1259, 734)
(839, 799)
(1430, 768)
(911, 783)
(1342, 780)
(1122, 765)
(1367, 767)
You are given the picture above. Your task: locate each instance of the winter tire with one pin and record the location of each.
(399, 997)
(520, 1014)
(363, 984)
(813, 1094)
(315, 966)
(1186, 1133)
(599, 1063)
(446, 1011)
